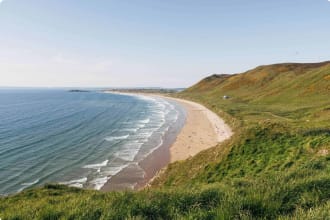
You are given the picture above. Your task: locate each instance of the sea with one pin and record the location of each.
(80, 139)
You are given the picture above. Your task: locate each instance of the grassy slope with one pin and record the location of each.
(278, 162)
(276, 165)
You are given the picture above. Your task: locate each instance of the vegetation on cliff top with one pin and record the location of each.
(277, 165)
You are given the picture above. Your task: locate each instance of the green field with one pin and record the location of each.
(276, 166)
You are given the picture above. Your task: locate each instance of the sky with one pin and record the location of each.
(154, 43)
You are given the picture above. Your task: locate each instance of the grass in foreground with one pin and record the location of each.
(277, 165)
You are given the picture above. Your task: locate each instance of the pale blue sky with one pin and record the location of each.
(154, 42)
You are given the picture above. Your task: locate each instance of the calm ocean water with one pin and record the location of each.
(78, 139)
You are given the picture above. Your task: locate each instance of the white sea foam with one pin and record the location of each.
(161, 106)
(26, 185)
(146, 98)
(129, 151)
(97, 165)
(79, 183)
(106, 175)
(161, 123)
(31, 183)
(117, 138)
(145, 134)
(141, 125)
(130, 129)
(127, 155)
(113, 170)
(141, 97)
(82, 180)
(160, 144)
(139, 132)
(155, 148)
(144, 121)
(176, 118)
(98, 183)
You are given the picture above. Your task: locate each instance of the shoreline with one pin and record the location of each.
(204, 129)
(138, 174)
(201, 129)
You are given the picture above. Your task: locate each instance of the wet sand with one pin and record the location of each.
(198, 130)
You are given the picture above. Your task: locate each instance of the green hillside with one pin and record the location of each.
(281, 92)
(276, 166)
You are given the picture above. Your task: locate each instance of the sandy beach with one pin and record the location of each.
(203, 129)
(200, 129)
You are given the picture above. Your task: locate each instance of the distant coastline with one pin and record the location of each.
(144, 91)
(78, 90)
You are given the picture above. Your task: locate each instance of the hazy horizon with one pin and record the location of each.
(87, 87)
(172, 44)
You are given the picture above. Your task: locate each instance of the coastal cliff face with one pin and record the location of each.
(276, 166)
